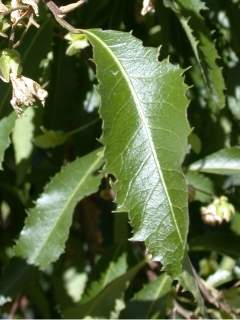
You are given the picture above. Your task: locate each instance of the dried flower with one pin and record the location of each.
(147, 7)
(33, 4)
(26, 92)
(3, 8)
(30, 11)
(217, 212)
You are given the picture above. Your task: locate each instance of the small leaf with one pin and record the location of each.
(235, 224)
(9, 63)
(14, 279)
(189, 14)
(77, 42)
(47, 226)
(102, 305)
(195, 142)
(145, 136)
(203, 186)
(23, 135)
(114, 270)
(6, 126)
(50, 139)
(225, 161)
(222, 242)
(148, 302)
(188, 280)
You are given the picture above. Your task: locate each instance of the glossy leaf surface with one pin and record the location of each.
(145, 137)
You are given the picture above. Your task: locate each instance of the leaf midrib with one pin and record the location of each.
(38, 252)
(145, 124)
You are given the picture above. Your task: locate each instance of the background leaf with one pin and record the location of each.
(22, 136)
(148, 303)
(15, 278)
(50, 139)
(203, 187)
(114, 270)
(225, 161)
(222, 242)
(104, 302)
(192, 21)
(47, 226)
(6, 125)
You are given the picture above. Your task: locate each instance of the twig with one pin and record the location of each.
(14, 308)
(12, 33)
(9, 11)
(181, 311)
(70, 7)
(58, 15)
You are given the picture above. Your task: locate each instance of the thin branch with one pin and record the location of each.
(14, 308)
(58, 15)
(181, 311)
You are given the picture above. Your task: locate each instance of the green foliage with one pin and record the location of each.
(6, 126)
(148, 302)
(153, 147)
(22, 136)
(50, 139)
(15, 276)
(189, 14)
(221, 242)
(47, 226)
(104, 302)
(119, 178)
(202, 186)
(114, 270)
(226, 161)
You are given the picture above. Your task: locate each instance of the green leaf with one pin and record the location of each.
(147, 303)
(189, 15)
(235, 224)
(195, 142)
(203, 186)
(50, 139)
(188, 280)
(145, 134)
(47, 226)
(6, 125)
(22, 136)
(10, 62)
(114, 270)
(104, 302)
(225, 161)
(222, 242)
(14, 279)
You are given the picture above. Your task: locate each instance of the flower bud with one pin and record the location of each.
(217, 212)
(147, 7)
